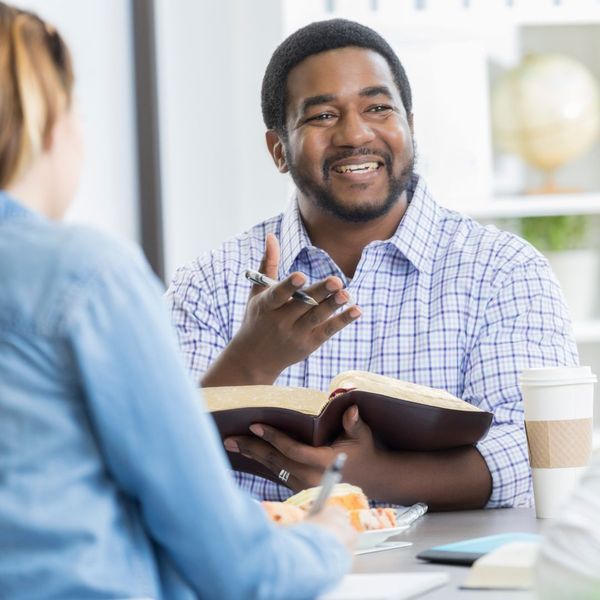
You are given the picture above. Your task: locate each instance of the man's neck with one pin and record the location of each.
(345, 241)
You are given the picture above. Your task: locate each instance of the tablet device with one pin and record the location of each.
(466, 552)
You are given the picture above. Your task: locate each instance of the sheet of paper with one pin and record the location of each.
(385, 586)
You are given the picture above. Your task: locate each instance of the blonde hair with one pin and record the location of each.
(36, 85)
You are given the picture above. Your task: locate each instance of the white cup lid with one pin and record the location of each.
(557, 376)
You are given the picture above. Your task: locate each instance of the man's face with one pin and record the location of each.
(349, 147)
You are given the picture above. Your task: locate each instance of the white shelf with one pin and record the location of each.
(531, 206)
(587, 331)
(471, 14)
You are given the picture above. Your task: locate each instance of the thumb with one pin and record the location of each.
(354, 426)
(269, 265)
(270, 261)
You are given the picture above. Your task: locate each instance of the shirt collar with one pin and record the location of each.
(10, 208)
(294, 238)
(414, 238)
(416, 235)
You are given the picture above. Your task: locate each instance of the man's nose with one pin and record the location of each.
(351, 130)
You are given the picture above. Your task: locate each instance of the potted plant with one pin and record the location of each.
(564, 240)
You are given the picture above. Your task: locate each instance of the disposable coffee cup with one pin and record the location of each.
(559, 407)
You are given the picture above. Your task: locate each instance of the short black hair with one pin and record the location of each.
(315, 38)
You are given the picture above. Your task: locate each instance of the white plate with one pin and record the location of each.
(368, 539)
(383, 547)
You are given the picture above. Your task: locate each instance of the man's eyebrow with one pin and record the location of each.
(315, 101)
(376, 90)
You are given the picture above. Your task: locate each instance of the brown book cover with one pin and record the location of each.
(402, 415)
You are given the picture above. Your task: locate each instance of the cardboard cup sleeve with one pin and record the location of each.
(559, 444)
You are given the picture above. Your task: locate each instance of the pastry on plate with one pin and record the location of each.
(350, 497)
(345, 495)
(370, 519)
(282, 513)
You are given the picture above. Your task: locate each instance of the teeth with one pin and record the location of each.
(361, 168)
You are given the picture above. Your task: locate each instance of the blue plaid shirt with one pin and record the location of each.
(445, 302)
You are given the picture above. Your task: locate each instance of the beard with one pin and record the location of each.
(369, 209)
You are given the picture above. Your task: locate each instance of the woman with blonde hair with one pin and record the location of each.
(113, 481)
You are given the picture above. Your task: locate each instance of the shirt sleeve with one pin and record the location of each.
(569, 562)
(526, 324)
(199, 329)
(163, 450)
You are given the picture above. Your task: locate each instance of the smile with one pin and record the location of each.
(357, 168)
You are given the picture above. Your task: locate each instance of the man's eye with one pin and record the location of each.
(321, 117)
(380, 108)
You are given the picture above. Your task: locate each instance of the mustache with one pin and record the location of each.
(351, 152)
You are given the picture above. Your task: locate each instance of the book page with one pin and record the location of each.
(403, 390)
(304, 400)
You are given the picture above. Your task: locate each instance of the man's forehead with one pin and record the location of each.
(341, 71)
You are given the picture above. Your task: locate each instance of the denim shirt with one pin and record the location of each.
(113, 481)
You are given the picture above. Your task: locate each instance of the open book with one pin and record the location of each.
(402, 415)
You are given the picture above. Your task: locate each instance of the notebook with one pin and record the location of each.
(466, 552)
(385, 586)
(509, 567)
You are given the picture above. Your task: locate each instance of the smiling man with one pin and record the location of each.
(405, 288)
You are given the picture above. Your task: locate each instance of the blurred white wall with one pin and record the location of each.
(98, 32)
(218, 178)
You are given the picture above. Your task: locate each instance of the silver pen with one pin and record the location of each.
(411, 514)
(332, 475)
(264, 281)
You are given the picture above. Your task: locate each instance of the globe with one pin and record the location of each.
(546, 110)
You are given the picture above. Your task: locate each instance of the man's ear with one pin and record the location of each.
(410, 123)
(276, 150)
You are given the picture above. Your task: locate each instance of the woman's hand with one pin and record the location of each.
(335, 520)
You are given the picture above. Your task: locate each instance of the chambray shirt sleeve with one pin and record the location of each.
(195, 318)
(163, 450)
(526, 324)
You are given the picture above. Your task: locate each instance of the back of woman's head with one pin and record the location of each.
(36, 85)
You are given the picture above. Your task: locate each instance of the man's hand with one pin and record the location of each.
(277, 330)
(276, 451)
(453, 479)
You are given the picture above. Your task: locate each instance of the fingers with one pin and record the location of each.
(325, 288)
(252, 447)
(267, 455)
(314, 323)
(280, 294)
(290, 448)
(319, 314)
(277, 451)
(335, 519)
(321, 332)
